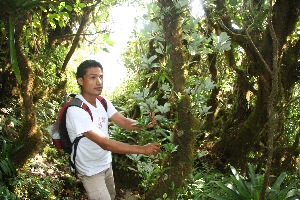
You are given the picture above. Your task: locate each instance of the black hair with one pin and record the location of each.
(81, 70)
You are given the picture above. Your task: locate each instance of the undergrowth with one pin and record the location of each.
(47, 176)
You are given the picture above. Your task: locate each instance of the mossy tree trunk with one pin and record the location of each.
(180, 163)
(30, 136)
(249, 131)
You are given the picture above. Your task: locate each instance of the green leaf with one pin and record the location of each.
(282, 194)
(5, 167)
(293, 194)
(151, 59)
(252, 175)
(81, 5)
(228, 190)
(278, 182)
(13, 53)
(106, 38)
(209, 84)
(69, 8)
(20, 3)
(168, 137)
(255, 182)
(205, 109)
(164, 109)
(222, 41)
(233, 2)
(201, 154)
(31, 4)
(239, 182)
(105, 50)
(3, 152)
(217, 197)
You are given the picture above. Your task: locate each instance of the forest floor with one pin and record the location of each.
(126, 185)
(125, 182)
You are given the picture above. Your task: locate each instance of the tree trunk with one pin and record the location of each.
(273, 103)
(30, 136)
(179, 165)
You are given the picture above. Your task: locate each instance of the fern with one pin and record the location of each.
(7, 166)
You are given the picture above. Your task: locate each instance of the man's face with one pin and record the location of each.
(92, 81)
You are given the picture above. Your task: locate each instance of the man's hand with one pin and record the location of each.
(153, 122)
(152, 148)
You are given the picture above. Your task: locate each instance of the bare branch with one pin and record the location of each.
(257, 51)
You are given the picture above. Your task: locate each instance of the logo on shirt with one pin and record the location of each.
(101, 121)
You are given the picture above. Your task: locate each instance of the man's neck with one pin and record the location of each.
(90, 98)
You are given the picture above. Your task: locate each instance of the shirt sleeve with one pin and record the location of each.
(111, 110)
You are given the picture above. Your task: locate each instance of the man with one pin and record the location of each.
(93, 154)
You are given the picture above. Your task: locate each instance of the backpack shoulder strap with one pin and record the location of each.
(103, 102)
(62, 122)
(79, 103)
(75, 144)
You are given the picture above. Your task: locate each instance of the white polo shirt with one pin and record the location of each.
(90, 157)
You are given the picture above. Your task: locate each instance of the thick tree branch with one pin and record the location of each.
(272, 103)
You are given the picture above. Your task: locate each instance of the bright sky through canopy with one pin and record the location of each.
(122, 26)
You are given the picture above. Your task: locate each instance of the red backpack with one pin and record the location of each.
(60, 136)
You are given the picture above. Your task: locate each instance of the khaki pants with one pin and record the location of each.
(100, 186)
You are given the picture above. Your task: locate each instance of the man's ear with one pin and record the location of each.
(80, 81)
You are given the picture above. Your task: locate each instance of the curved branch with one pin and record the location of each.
(258, 52)
(83, 24)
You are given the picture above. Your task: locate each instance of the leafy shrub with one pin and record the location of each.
(241, 188)
(200, 183)
(7, 168)
(47, 176)
(5, 193)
